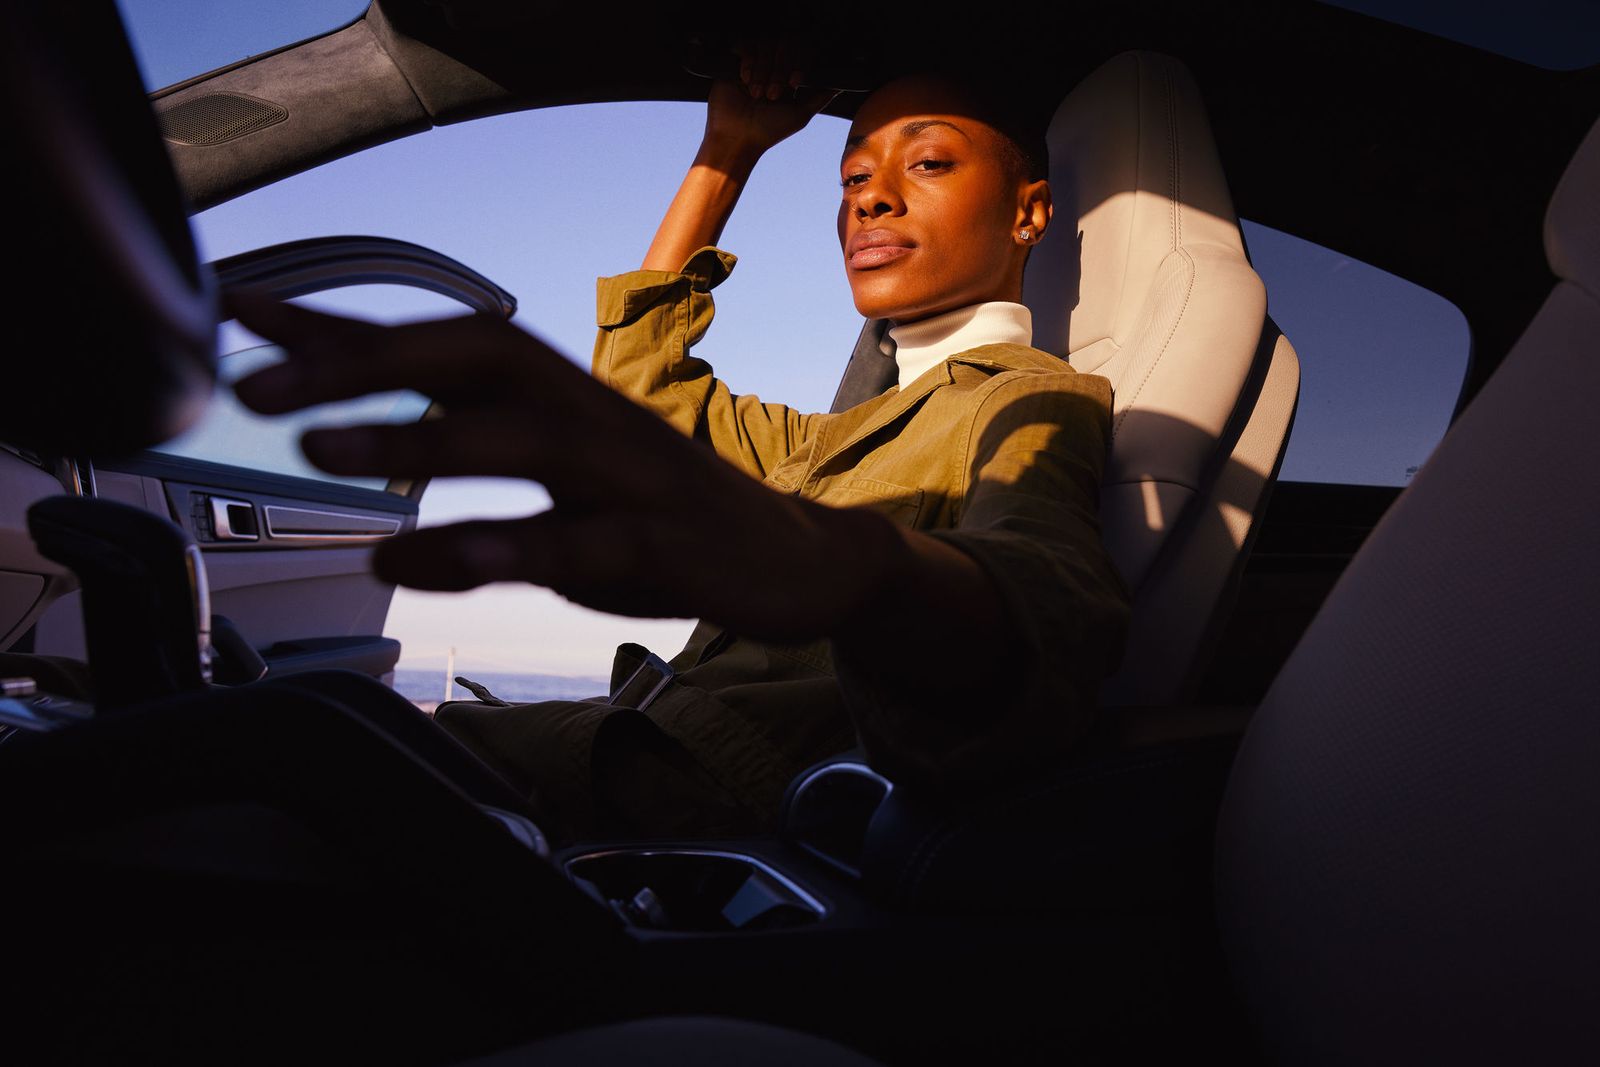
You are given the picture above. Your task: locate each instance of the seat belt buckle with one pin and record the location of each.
(644, 684)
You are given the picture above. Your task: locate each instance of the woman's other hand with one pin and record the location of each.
(644, 521)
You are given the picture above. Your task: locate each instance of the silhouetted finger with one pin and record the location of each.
(597, 561)
(546, 549)
(623, 456)
(460, 445)
(460, 556)
(289, 324)
(465, 360)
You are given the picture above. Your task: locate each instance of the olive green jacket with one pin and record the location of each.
(997, 451)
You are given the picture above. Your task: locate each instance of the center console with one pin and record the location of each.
(873, 913)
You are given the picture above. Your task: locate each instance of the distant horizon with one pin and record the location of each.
(468, 667)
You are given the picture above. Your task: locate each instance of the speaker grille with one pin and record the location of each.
(218, 117)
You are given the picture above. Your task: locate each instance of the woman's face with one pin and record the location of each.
(928, 219)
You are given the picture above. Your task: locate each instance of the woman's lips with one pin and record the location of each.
(875, 247)
(878, 255)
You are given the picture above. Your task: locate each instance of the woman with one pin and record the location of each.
(921, 574)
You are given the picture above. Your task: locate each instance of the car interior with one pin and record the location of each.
(1339, 806)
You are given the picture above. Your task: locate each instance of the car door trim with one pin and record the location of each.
(318, 264)
(285, 523)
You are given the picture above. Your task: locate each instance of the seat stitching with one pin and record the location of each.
(1176, 319)
(1174, 160)
(1133, 222)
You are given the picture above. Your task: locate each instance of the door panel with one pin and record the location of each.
(28, 581)
(287, 556)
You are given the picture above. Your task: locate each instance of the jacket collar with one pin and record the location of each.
(894, 402)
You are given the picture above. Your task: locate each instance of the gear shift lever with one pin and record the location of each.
(146, 608)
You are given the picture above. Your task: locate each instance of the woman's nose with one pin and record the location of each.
(877, 196)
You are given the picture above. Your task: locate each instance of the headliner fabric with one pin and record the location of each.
(672, 1041)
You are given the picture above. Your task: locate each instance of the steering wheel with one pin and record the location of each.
(113, 336)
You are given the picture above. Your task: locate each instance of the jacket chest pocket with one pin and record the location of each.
(899, 502)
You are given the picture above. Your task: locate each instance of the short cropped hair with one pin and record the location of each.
(1020, 121)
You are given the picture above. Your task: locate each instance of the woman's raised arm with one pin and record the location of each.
(743, 120)
(649, 319)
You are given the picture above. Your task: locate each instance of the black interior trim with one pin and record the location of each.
(226, 476)
(317, 264)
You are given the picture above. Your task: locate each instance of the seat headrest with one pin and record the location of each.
(114, 344)
(1572, 222)
(1134, 176)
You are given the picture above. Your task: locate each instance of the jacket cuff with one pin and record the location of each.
(621, 298)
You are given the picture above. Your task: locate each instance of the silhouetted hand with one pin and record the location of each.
(644, 522)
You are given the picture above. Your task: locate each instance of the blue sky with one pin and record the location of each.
(543, 202)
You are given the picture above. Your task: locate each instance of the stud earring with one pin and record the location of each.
(1025, 235)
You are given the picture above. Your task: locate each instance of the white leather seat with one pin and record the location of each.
(1142, 277)
(1406, 857)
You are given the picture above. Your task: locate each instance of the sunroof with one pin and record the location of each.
(177, 39)
(1554, 34)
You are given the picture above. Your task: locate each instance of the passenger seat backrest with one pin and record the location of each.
(1408, 867)
(1143, 279)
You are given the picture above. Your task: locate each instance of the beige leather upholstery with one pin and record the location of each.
(1407, 862)
(1142, 277)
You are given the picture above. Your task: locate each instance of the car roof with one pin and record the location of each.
(1430, 159)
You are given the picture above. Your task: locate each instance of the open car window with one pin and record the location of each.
(231, 434)
(544, 202)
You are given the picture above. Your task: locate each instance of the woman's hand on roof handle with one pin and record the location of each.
(768, 103)
(644, 522)
(743, 120)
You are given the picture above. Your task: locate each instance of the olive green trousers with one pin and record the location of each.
(591, 770)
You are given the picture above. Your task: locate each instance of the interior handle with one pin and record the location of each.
(232, 520)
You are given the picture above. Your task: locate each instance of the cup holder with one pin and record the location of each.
(693, 890)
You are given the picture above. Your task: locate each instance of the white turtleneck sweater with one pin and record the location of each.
(920, 346)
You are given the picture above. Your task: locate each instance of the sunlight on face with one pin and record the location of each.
(928, 213)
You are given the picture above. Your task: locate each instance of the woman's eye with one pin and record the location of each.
(853, 179)
(931, 164)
